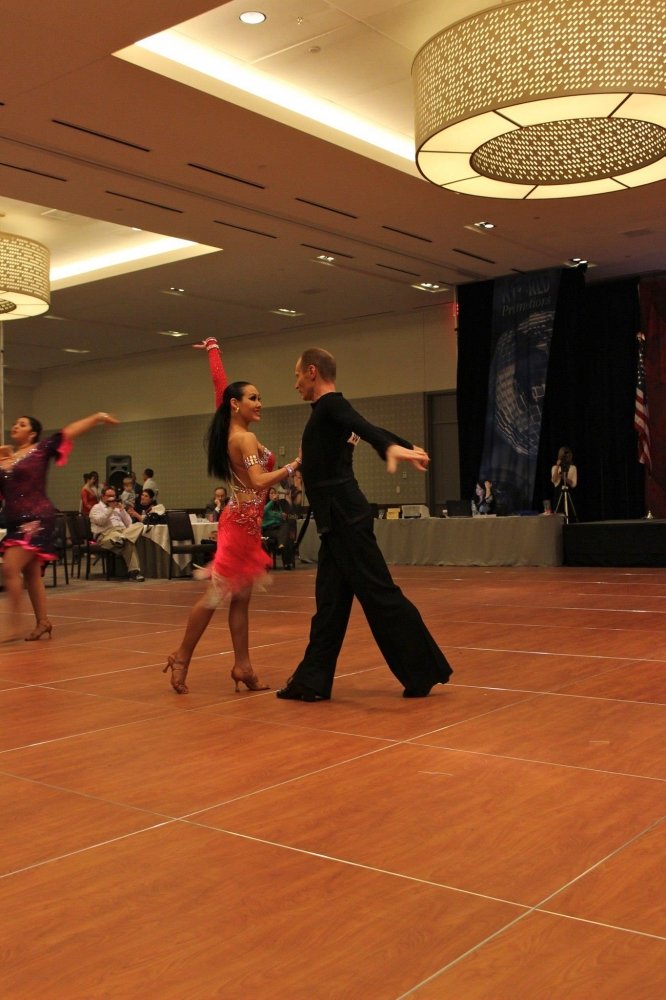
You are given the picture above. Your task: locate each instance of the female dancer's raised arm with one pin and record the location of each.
(217, 372)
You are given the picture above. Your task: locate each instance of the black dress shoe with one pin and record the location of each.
(292, 691)
(417, 692)
(423, 690)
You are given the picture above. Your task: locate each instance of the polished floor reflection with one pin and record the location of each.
(504, 838)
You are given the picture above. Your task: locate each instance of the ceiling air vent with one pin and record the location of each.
(244, 229)
(142, 201)
(35, 173)
(227, 177)
(403, 232)
(466, 253)
(327, 208)
(101, 135)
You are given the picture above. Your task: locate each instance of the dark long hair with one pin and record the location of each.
(35, 426)
(218, 433)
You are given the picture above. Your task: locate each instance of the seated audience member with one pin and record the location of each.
(484, 498)
(217, 504)
(131, 491)
(296, 494)
(277, 526)
(112, 528)
(144, 506)
(90, 492)
(149, 482)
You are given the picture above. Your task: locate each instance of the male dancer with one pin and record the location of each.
(350, 563)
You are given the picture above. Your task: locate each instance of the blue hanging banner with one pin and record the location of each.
(523, 318)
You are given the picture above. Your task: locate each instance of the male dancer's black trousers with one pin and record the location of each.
(351, 565)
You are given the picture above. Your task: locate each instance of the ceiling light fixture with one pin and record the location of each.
(324, 258)
(24, 277)
(76, 350)
(282, 311)
(484, 225)
(172, 333)
(252, 17)
(177, 291)
(544, 99)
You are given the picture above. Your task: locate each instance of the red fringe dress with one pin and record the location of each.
(240, 560)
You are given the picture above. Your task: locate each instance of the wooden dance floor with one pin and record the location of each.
(503, 838)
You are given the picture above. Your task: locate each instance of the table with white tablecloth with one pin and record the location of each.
(463, 541)
(153, 549)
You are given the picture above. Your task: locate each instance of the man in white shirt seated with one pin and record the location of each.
(112, 528)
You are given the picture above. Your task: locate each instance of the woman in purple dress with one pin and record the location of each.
(29, 543)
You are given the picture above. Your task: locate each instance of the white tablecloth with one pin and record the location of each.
(462, 541)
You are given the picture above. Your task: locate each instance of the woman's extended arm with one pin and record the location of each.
(217, 372)
(87, 423)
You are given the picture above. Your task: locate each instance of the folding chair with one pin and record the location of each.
(181, 537)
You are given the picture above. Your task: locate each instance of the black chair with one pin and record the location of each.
(61, 543)
(270, 546)
(181, 538)
(84, 545)
(77, 539)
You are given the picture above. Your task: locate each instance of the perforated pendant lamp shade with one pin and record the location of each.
(545, 99)
(24, 277)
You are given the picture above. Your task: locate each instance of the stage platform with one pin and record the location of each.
(615, 543)
(464, 541)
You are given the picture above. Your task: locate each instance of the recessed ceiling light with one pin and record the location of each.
(75, 350)
(282, 311)
(324, 258)
(172, 333)
(177, 291)
(484, 225)
(252, 17)
(430, 286)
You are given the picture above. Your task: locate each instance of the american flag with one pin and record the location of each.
(641, 411)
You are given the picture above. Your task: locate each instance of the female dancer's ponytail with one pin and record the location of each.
(218, 433)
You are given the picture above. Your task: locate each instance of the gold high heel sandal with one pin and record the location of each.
(40, 629)
(250, 680)
(178, 674)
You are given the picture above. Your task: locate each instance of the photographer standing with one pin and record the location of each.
(563, 474)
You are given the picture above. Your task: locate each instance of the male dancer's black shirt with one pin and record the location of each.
(327, 454)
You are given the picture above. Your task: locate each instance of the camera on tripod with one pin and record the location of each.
(564, 472)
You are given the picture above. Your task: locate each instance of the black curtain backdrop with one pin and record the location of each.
(589, 402)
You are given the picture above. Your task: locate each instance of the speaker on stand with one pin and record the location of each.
(117, 467)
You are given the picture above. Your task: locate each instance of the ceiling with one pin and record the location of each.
(86, 135)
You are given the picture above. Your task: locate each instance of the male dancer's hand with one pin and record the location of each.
(396, 453)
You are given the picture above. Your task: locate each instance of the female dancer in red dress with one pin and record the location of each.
(236, 457)
(29, 542)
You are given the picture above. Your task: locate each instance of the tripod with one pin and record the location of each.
(565, 502)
